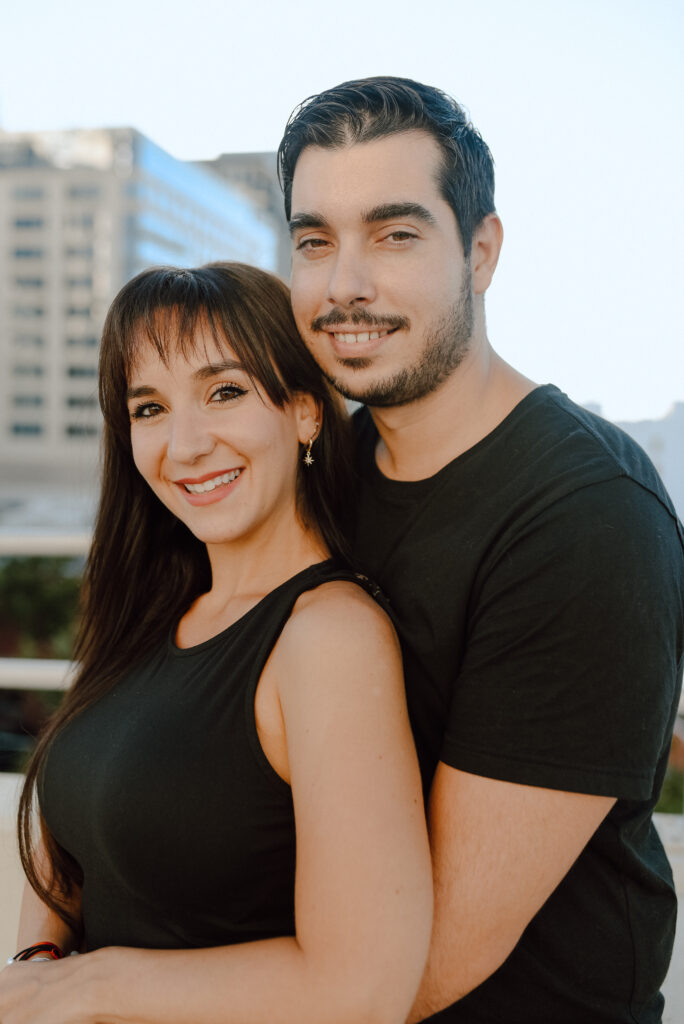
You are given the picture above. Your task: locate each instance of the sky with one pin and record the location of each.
(580, 103)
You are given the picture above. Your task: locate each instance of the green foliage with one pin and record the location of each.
(38, 619)
(39, 604)
(672, 794)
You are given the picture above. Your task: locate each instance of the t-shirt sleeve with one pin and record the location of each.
(573, 656)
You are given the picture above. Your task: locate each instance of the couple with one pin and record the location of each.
(231, 805)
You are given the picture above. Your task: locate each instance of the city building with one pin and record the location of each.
(256, 175)
(663, 440)
(81, 212)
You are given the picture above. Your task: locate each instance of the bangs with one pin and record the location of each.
(177, 311)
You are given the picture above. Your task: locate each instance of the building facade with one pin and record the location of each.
(81, 212)
(663, 440)
(256, 176)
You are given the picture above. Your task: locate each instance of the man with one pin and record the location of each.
(533, 559)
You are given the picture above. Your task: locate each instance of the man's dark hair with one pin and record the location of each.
(372, 108)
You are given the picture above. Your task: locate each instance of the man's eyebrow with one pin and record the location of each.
(392, 211)
(307, 220)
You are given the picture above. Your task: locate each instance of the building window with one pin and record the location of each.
(81, 252)
(29, 222)
(27, 254)
(28, 370)
(82, 402)
(82, 371)
(27, 400)
(29, 311)
(79, 220)
(28, 192)
(27, 428)
(88, 342)
(28, 341)
(83, 191)
(79, 282)
(80, 430)
(29, 282)
(78, 311)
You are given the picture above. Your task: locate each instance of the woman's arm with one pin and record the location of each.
(37, 923)
(363, 892)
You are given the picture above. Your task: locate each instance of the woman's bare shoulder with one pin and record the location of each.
(338, 622)
(342, 608)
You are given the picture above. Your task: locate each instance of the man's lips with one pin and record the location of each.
(359, 337)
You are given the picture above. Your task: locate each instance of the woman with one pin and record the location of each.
(239, 700)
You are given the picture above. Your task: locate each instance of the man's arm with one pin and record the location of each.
(499, 849)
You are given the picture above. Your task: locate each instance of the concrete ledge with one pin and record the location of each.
(11, 876)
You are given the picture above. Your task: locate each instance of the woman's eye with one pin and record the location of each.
(226, 393)
(146, 411)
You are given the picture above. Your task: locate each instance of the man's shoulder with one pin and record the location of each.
(572, 447)
(547, 450)
(545, 428)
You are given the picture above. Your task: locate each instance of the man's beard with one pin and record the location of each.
(446, 345)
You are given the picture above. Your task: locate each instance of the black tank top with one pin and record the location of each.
(163, 795)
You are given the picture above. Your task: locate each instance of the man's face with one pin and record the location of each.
(381, 290)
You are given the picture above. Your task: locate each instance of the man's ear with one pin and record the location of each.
(309, 416)
(484, 253)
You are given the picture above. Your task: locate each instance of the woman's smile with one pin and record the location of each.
(211, 486)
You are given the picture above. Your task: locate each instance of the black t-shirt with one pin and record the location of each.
(537, 582)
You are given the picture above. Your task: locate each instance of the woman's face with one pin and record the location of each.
(212, 447)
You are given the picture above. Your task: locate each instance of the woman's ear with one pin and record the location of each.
(309, 416)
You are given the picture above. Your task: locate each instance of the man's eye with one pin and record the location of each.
(311, 243)
(226, 393)
(401, 236)
(146, 411)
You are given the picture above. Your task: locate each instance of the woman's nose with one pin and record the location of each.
(189, 438)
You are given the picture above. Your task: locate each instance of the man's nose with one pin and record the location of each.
(351, 280)
(190, 437)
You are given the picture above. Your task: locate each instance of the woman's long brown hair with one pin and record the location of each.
(145, 568)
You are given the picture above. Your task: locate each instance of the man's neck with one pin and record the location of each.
(419, 439)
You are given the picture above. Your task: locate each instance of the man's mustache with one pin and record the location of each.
(356, 318)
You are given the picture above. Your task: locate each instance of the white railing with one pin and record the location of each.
(35, 674)
(35, 542)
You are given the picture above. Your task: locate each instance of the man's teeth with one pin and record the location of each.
(209, 485)
(353, 339)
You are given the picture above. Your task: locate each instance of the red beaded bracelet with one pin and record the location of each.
(47, 948)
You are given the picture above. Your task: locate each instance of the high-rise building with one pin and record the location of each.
(256, 176)
(80, 213)
(663, 439)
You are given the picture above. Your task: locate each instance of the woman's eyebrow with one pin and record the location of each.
(215, 369)
(204, 373)
(143, 390)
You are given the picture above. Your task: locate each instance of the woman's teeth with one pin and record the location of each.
(209, 485)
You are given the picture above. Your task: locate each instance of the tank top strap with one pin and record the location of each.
(332, 570)
(261, 630)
